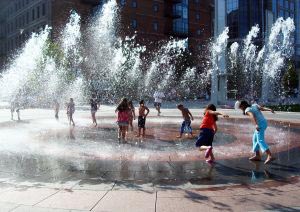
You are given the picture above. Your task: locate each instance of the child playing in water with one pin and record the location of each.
(70, 111)
(131, 114)
(258, 140)
(94, 107)
(15, 107)
(208, 129)
(123, 118)
(142, 118)
(187, 117)
(56, 108)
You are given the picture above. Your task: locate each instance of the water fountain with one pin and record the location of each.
(43, 71)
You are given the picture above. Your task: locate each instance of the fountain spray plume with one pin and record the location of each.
(112, 63)
(162, 69)
(218, 65)
(69, 72)
(279, 48)
(218, 51)
(23, 68)
(249, 56)
(233, 56)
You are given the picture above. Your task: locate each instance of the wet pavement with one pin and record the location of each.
(39, 153)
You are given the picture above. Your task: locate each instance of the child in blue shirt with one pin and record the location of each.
(258, 140)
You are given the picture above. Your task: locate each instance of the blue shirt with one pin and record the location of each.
(259, 117)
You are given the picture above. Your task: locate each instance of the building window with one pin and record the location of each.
(38, 12)
(155, 26)
(292, 6)
(27, 18)
(232, 5)
(44, 9)
(123, 2)
(281, 13)
(33, 14)
(199, 32)
(180, 26)
(155, 7)
(197, 17)
(197, 1)
(286, 4)
(134, 3)
(281, 3)
(134, 24)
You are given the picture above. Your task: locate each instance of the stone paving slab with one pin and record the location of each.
(24, 208)
(127, 201)
(73, 199)
(26, 196)
(269, 195)
(4, 206)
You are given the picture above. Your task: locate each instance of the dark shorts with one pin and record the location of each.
(205, 137)
(141, 122)
(157, 104)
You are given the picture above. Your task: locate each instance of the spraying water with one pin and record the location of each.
(279, 47)
(218, 54)
(23, 67)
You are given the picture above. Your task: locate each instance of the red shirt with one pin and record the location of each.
(208, 122)
(123, 116)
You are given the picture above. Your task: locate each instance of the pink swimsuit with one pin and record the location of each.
(123, 116)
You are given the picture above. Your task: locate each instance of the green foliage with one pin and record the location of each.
(290, 78)
(288, 108)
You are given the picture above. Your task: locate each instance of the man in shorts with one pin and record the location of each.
(158, 96)
(143, 113)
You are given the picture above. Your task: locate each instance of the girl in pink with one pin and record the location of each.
(122, 111)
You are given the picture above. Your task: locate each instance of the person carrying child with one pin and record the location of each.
(258, 139)
(143, 113)
(187, 117)
(208, 129)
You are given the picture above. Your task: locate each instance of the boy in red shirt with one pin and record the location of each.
(208, 129)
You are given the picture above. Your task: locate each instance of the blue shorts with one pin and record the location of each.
(205, 137)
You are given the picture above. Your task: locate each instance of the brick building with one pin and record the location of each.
(161, 19)
(19, 18)
(152, 20)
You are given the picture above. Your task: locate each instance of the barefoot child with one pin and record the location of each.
(56, 108)
(15, 107)
(131, 114)
(70, 111)
(258, 140)
(123, 119)
(94, 107)
(187, 116)
(142, 118)
(208, 129)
